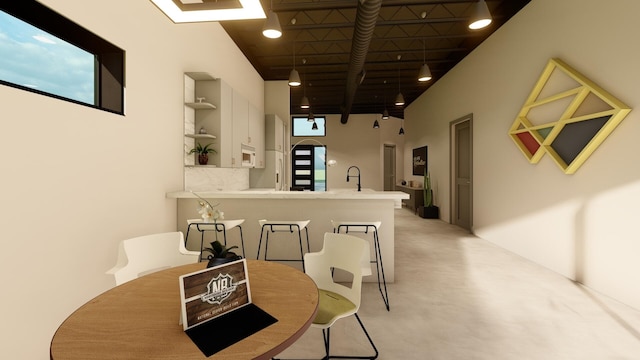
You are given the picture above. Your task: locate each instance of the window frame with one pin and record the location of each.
(293, 126)
(110, 59)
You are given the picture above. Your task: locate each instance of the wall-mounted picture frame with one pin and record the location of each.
(419, 160)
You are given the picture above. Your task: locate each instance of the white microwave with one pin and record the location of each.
(248, 156)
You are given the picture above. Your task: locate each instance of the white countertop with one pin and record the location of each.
(337, 194)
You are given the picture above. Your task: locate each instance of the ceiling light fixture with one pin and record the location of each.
(271, 27)
(401, 132)
(311, 118)
(481, 17)
(304, 103)
(425, 72)
(376, 124)
(385, 112)
(399, 97)
(198, 12)
(294, 77)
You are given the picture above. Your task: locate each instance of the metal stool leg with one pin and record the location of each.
(244, 255)
(201, 240)
(301, 249)
(380, 269)
(260, 242)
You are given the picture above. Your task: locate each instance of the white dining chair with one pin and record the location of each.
(150, 253)
(338, 300)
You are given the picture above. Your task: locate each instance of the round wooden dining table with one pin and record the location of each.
(140, 319)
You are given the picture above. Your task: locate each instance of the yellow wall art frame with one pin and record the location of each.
(566, 116)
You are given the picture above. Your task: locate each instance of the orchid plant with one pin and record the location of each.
(208, 212)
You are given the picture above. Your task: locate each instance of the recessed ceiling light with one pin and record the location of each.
(199, 10)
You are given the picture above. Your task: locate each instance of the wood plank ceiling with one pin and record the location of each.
(406, 34)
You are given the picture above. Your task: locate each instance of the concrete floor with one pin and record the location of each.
(460, 297)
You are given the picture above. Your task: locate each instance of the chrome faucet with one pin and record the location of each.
(348, 176)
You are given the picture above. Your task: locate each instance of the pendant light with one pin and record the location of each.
(401, 132)
(271, 27)
(385, 112)
(376, 124)
(294, 77)
(481, 16)
(311, 118)
(304, 103)
(425, 72)
(399, 98)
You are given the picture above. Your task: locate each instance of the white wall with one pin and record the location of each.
(78, 180)
(582, 225)
(358, 143)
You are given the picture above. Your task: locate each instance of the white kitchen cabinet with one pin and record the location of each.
(240, 119)
(257, 134)
(274, 133)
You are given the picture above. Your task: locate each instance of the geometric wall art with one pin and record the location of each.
(566, 116)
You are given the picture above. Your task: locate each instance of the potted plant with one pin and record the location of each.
(428, 211)
(220, 254)
(203, 153)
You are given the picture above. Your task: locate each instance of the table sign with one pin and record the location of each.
(216, 307)
(210, 293)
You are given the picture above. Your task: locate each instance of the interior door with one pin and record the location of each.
(389, 167)
(462, 165)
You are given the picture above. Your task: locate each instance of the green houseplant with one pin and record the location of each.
(428, 210)
(220, 254)
(203, 152)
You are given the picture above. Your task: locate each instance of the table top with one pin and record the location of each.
(139, 319)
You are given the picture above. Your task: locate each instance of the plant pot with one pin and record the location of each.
(203, 159)
(429, 212)
(219, 261)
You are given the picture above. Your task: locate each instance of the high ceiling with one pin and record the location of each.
(320, 32)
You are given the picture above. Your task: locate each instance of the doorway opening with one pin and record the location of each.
(461, 153)
(389, 167)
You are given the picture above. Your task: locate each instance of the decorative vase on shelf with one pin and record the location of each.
(203, 159)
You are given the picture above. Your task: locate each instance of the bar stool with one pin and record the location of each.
(365, 227)
(218, 226)
(272, 226)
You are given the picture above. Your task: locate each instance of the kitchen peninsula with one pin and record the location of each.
(319, 207)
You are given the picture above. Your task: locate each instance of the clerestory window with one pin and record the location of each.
(43, 52)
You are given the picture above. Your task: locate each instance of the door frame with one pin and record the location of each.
(453, 165)
(391, 166)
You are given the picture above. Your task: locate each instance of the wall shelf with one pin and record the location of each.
(200, 105)
(200, 136)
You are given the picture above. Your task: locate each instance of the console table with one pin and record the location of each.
(416, 197)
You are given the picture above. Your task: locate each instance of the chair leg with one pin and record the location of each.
(327, 335)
